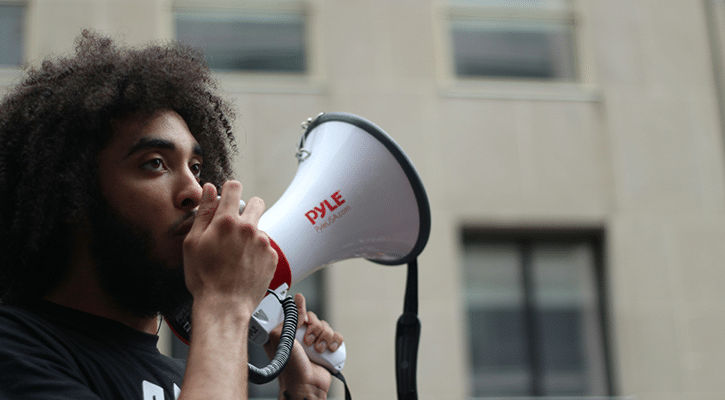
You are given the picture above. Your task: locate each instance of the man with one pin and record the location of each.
(110, 166)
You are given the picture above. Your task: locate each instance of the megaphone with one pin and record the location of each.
(355, 195)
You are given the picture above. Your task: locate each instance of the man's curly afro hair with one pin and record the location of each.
(53, 124)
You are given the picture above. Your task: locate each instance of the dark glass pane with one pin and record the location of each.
(563, 368)
(513, 50)
(238, 42)
(12, 32)
(570, 336)
(560, 340)
(495, 301)
(499, 352)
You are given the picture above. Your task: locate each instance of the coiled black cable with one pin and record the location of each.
(284, 348)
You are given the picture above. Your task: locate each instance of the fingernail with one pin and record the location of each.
(321, 346)
(310, 339)
(333, 346)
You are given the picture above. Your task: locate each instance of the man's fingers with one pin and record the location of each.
(319, 333)
(253, 210)
(230, 196)
(336, 341)
(206, 210)
(301, 309)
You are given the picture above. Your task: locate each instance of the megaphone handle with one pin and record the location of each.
(333, 361)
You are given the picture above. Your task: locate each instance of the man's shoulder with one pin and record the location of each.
(62, 351)
(22, 330)
(27, 318)
(20, 320)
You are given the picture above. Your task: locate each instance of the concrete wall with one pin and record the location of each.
(636, 149)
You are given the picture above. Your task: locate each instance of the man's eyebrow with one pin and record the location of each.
(198, 151)
(150, 143)
(157, 143)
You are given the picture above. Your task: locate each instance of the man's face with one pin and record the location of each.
(149, 178)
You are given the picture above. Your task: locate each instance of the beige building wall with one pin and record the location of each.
(635, 149)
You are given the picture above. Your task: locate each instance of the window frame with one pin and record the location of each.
(311, 81)
(9, 73)
(581, 88)
(527, 238)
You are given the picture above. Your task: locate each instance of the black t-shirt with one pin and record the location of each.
(52, 352)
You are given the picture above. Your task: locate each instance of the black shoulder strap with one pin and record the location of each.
(407, 338)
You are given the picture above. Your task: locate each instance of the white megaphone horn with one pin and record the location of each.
(355, 195)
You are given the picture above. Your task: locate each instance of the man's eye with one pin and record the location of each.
(153, 165)
(196, 169)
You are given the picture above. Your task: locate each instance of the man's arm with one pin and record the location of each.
(228, 265)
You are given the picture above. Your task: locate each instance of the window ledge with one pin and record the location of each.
(268, 83)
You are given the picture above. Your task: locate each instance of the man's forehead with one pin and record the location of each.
(163, 130)
(157, 143)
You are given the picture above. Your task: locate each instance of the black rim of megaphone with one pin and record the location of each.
(415, 182)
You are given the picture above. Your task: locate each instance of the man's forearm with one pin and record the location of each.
(217, 362)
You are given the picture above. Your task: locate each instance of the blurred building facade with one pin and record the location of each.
(572, 152)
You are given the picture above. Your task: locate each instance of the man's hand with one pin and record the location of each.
(224, 253)
(228, 264)
(301, 378)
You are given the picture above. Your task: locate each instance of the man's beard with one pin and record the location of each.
(126, 270)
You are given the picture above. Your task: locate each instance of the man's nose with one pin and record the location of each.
(189, 194)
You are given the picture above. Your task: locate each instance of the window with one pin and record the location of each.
(12, 32)
(253, 40)
(535, 314)
(505, 39)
